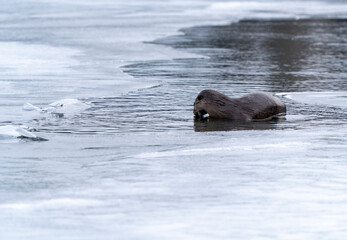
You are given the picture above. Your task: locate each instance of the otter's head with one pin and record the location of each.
(211, 102)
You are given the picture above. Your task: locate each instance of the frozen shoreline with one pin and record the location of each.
(97, 43)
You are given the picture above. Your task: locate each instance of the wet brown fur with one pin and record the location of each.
(254, 106)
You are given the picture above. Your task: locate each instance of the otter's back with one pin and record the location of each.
(262, 105)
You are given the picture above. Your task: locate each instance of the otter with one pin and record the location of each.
(250, 107)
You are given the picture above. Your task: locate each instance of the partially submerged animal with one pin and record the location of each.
(254, 106)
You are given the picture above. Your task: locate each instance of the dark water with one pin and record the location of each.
(273, 56)
(303, 55)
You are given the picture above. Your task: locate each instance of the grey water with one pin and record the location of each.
(109, 86)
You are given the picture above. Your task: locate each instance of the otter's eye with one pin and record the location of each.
(200, 97)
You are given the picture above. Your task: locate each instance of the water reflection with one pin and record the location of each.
(275, 56)
(288, 49)
(298, 51)
(211, 124)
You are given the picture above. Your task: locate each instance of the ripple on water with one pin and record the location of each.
(285, 57)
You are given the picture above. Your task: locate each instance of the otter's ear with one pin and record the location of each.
(200, 97)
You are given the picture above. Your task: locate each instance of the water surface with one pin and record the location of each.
(124, 157)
